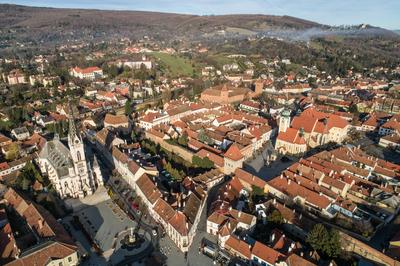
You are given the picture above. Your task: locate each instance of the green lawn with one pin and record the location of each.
(220, 59)
(174, 65)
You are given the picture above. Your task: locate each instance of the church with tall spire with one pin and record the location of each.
(70, 169)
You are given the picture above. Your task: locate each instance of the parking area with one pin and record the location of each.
(144, 159)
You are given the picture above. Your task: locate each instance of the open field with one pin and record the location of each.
(174, 65)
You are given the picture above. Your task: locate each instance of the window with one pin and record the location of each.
(69, 259)
(78, 155)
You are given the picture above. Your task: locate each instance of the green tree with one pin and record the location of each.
(353, 109)
(257, 191)
(13, 152)
(322, 240)
(128, 107)
(202, 162)
(275, 217)
(317, 237)
(333, 246)
(183, 140)
(203, 137)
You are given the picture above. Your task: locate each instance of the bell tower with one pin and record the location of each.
(284, 120)
(77, 151)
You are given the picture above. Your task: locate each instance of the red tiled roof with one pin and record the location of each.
(266, 253)
(233, 153)
(312, 120)
(291, 135)
(215, 158)
(295, 260)
(164, 210)
(44, 255)
(148, 188)
(245, 176)
(179, 223)
(293, 189)
(239, 246)
(115, 119)
(86, 70)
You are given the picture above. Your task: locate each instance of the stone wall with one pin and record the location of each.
(353, 245)
(182, 152)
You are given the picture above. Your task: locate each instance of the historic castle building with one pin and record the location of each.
(70, 170)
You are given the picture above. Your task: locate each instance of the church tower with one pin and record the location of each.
(77, 151)
(284, 121)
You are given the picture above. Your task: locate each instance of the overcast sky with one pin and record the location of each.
(383, 13)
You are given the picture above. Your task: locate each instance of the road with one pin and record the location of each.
(194, 256)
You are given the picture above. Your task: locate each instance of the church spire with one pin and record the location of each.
(72, 127)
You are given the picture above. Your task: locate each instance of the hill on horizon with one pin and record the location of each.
(43, 25)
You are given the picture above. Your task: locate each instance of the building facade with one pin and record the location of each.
(69, 169)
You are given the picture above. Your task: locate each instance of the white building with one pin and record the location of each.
(137, 64)
(71, 174)
(90, 73)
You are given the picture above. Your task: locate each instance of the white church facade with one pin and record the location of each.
(70, 170)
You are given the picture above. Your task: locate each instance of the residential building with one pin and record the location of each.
(90, 73)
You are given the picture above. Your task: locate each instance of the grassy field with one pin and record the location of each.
(174, 65)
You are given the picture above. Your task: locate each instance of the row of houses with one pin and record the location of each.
(178, 213)
(45, 242)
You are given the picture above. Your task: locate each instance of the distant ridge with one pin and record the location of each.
(45, 27)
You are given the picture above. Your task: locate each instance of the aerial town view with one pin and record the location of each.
(170, 132)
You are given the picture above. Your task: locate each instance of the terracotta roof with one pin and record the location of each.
(52, 251)
(217, 218)
(133, 167)
(250, 179)
(215, 158)
(179, 223)
(7, 241)
(291, 135)
(156, 133)
(148, 188)
(38, 218)
(151, 116)
(86, 70)
(266, 253)
(295, 260)
(115, 119)
(239, 246)
(293, 189)
(312, 120)
(371, 122)
(242, 217)
(119, 155)
(4, 139)
(164, 210)
(233, 153)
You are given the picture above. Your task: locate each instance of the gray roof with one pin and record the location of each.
(58, 155)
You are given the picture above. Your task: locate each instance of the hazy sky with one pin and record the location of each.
(383, 13)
